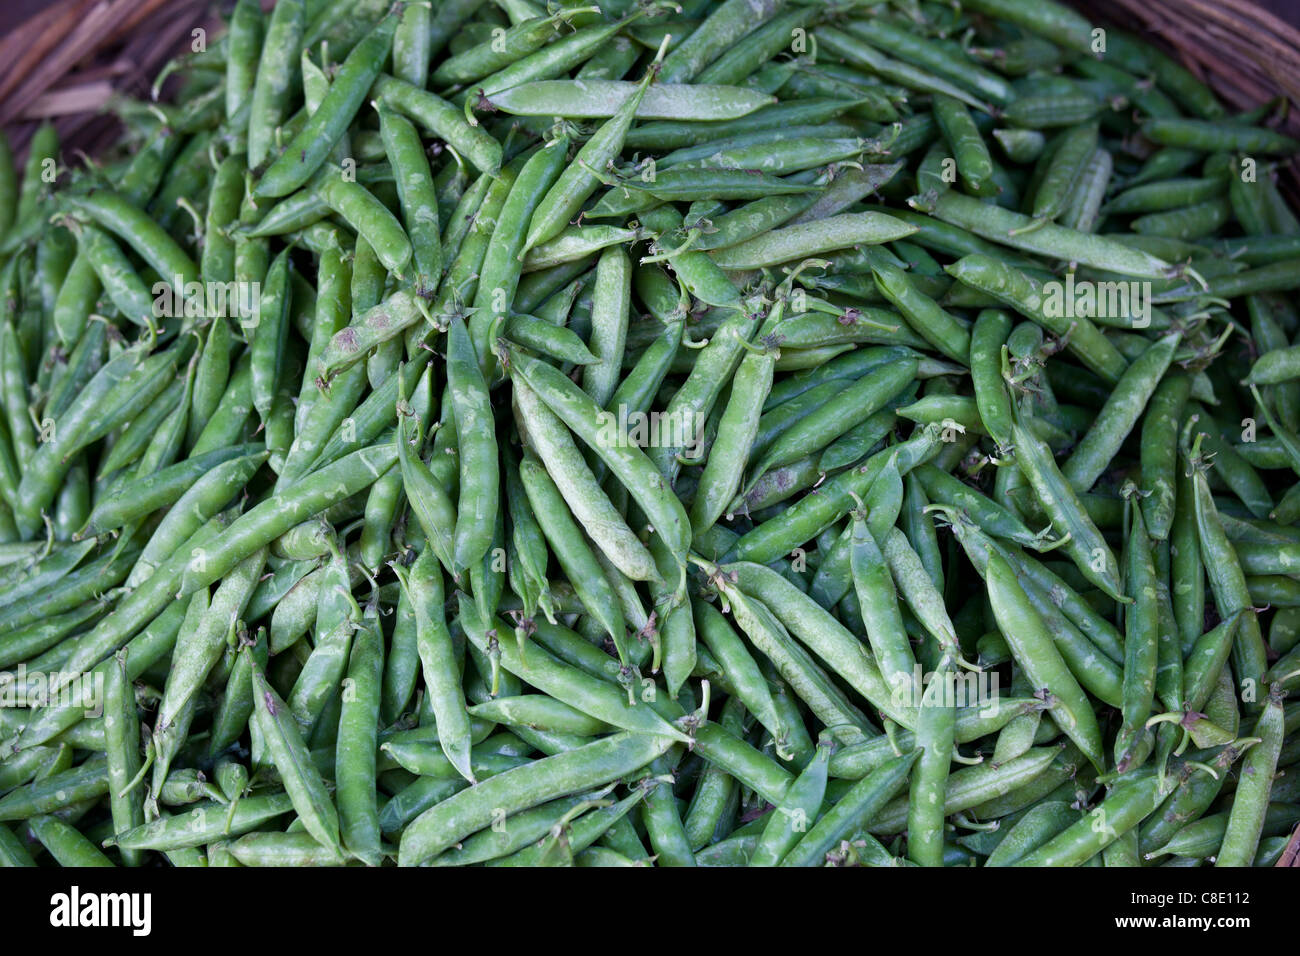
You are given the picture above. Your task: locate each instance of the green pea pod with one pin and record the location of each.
(273, 84)
(122, 736)
(415, 188)
(633, 469)
(571, 550)
(198, 649)
(424, 587)
(308, 149)
(1036, 652)
(1124, 808)
(302, 781)
(357, 744)
(589, 766)
(367, 216)
(207, 496)
(1228, 582)
(790, 819)
(1160, 454)
(1141, 642)
(579, 180)
(442, 120)
(1250, 802)
(1085, 544)
(205, 823)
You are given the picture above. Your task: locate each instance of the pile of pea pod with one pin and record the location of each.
(488, 433)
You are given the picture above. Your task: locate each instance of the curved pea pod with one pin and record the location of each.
(1021, 145)
(236, 707)
(429, 500)
(588, 766)
(576, 673)
(724, 26)
(61, 789)
(789, 821)
(337, 617)
(1039, 825)
(205, 823)
(357, 744)
(737, 429)
(266, 521)
(1012, 229)
(594, 99)
(1228, 582)
(697, 271)
(200, 502)
(499, 276)
(557, 58)
(1032, 645)
(65, 844)
(704, 138)
(209, 627)
(1085, 544)
(750, 685)
(809, 239)
(974, 164)
(286, 749)
(1064, 165)
(1250, 802)
(1160, 453)
(438, 662)
(552, 340)
(274, 80)
(331, 119)
(418, 195)
(576, 243)
(852, 811)
(571, 550)
(1121, 412)
(539, 712)
(804, 676)
(44, 573)
(927, 54)
(476, 431)
(813, 514)
(581, 834)
(1028, 296)
(1275, 367)
(1125, 807)
(579, 180)
(973, 786)
(816, 629)
(1217, 136)
(528, 552)
(441, 119)
(103, 403)
(939, 328)
(116, 213)
(633, 469)
(855, 51)
(366, 215)
(483, 59)
(122, 737)
(551, 441)
(1052, 110)
(1142, 628)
